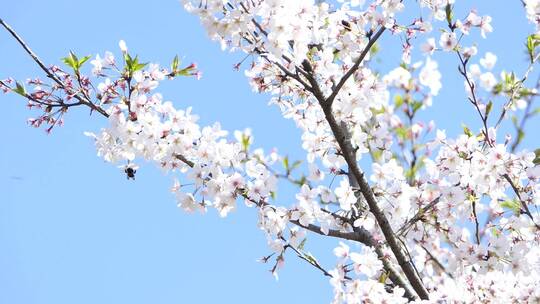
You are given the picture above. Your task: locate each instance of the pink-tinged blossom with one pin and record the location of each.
(432, 194)
(448, 41)
(429, 46)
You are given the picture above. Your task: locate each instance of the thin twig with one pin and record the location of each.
(353, 69)
(49, 73)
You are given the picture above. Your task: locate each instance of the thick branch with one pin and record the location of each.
(382, 220)
(326, 103)
(363, 236)
(360, 235)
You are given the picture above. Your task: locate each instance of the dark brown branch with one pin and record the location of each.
(363, 236)
(360, 235)
(367, 192)
(364, 186)
(353, 69)
(476, 224)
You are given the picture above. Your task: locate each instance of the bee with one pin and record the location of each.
(130, 169)
(130, 173)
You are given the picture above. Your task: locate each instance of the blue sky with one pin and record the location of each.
(74, 230)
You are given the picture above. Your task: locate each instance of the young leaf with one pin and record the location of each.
(71, 60)
(513, 205)
(296, 164)
(533, 41)
(19, 89)
(310, 258)
(398, 101)
(489, 107)
(83, 60)
(302, 244)
(536, 160)
(467, 131)
(449, 13)
(416, 106)
(175, 64)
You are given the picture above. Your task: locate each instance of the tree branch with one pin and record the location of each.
(353, 69)
(382, 220)
(51, 75)
(363, 236)
(360, 235)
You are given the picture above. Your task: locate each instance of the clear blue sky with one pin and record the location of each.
(74, 230)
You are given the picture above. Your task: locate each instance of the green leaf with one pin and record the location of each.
(336, 55)
(416, 106)
(410, 173)
(514, 120)
(524, 92)
(286, 163)
(489, 107)
(71, 60)
(302, 244)
(398, 101)
(19, 89)
(497, 89)
(245, 142)
(383, 277)
(536, 160)
(449, 13)
(520, 135)
(401, 132)
(296, 164)
(376, 154)
(301, 181)
(533, 41)
(510, 79)
(467, 131)
(374, 49)
(132, 64)
(83, 60)
(74, 62)
(175, 64)
(513, 205)
(310, 258)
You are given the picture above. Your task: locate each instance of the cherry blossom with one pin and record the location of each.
(422, 216)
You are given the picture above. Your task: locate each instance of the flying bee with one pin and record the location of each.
(130, 172)
(130, 169)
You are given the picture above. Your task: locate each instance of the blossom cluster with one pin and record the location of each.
(302, 45)
(464, 209)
